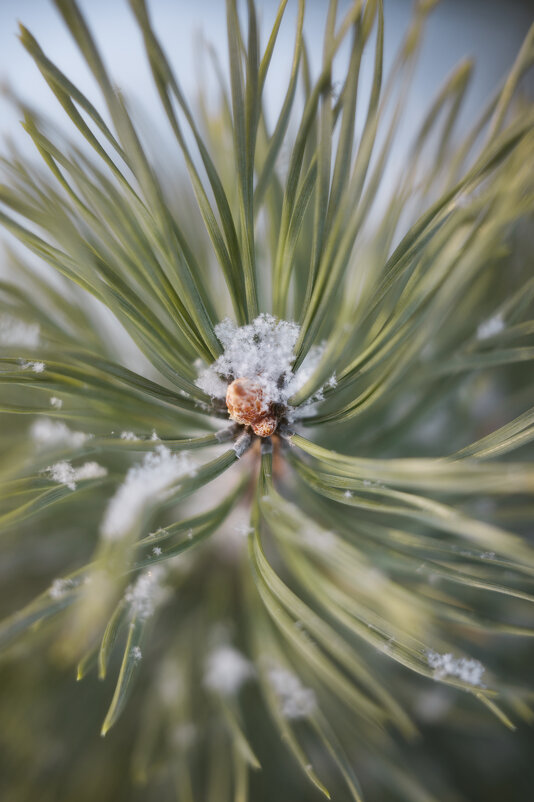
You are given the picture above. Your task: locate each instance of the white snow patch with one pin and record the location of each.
(226, 669)
(130, 436)
(65, 474)
(47, 433)
(296, 701)
(37, 367)
(489, 328)
(136, 653)
(60, 587)
(263, 351)
(145, 483)
(146, 594)
(466, 669)
(55, 402)
(16, 332)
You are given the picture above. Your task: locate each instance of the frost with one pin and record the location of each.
(57, 403)
(226, 670)
(65, 474)
(47, 433)
(296, 701)
(243, 530)
(130, 436)
(242, 443)
(466, 669)
(489, 328)
(136, 653)
(145, 483)
(347, 494)
(146, 594)
(305, 372)
(156, 551)
(60, 587)
(16, 332)
(37, 367)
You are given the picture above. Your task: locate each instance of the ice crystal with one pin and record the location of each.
(55, 402)
(130, 436)
(146, 594)
(36, 367)
(145, 482)
(60, 587)
(466, 669)
(65, 474)
(296, 701)
(489, 328)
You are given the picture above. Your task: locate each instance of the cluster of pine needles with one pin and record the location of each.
(275, 618)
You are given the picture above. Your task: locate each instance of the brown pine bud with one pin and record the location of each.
(247, 405)
(265, 426)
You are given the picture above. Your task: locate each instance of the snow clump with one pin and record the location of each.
(226, 670)
(146, 593)
(65, 474)
(466, 669)
(296, 701)
(262, 351)
(47, 433)
(145, 483)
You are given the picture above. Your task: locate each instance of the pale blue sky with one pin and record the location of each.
(489, 30)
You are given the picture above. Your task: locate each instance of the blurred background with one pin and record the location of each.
(41, 707)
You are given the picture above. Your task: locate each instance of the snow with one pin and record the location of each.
(60, 587)
(55, 402)
(47, 433)
(37, 367)
(466, 669)
(296, 701)
(65, 474)
(262, 351)
(144, 484)
(489, 328)
(129, 436)
(226, 670)
(136, 653)
(146, 594)
(16, 332)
